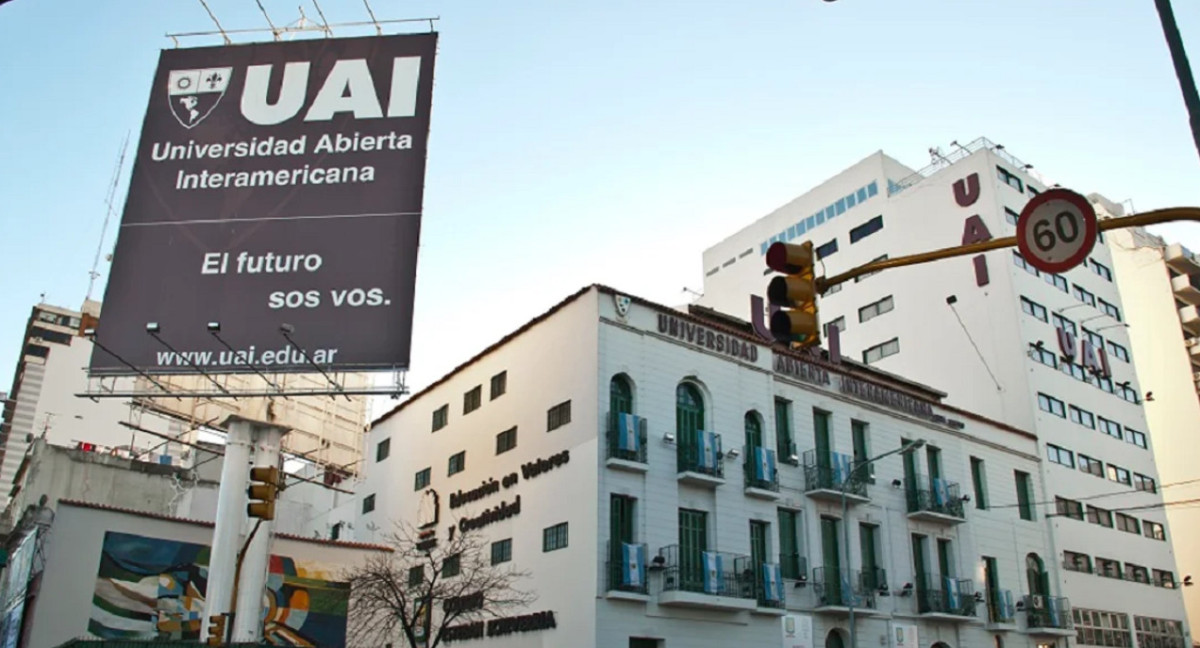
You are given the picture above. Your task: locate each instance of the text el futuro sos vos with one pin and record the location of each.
(271, 263)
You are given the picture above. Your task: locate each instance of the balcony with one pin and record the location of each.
(953, 601)
(762, 475)
(769, 591)
(1181, 259)
(626, 441)
(1193, 347)
(625, 572)
(1189, 318)
(1001, 611)
(837, 589)
(700, 461)
(824, 478)
(1047, 615)
(709, 580)
(934, 500)
(1186, 288)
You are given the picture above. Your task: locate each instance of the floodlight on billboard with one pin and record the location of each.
(277, 186)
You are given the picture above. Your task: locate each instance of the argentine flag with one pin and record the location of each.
(628, 428)
(1010, 610)
(764, 464)
(712, 572)
(772, 582)
(951, 593)
(709, 449)
(941, 491)
(841, 467)
(633, 572)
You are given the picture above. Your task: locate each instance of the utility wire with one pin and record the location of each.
(1100, 495)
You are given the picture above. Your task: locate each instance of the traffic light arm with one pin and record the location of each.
(1138, 220)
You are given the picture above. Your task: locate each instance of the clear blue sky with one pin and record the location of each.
(613, 141)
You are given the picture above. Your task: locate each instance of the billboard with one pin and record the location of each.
(276, 193)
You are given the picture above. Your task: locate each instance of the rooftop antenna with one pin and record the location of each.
(108, 201)
(216, 22)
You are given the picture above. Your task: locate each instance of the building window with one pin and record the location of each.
(1137, 573)
(458, 462)
(1065, 324)
(826, 249)
(1083, 295)
(1052, 405)
(1100, 269)
(558, 416)
(1077, 562)
(1060, 456)
(839, 324)
(422, 479)
(1043, 355)
(1068, 508)
(416, 576)
(1093, 339)
(1111, 428)
(1128, 524)
(866, 229)
(1108, 567)
(875, 309)
(506, 440)
(784, 444)
(1119, 475)
(1073, 370)
(1099, 628)
(1164, 579)
(863, 277)
(1083, 417)
(1091, 466)
(499, 385)
(1100, 516)
(790, 565)
(383, 449)
(451, 566)
(1117, 351)
(1144, 483)
(472, 399)
(441, 416)
(881, 351)
(979, 481)
(1030, 307)
(554, 537)
(1032, 192)
(1011, 216)
(836, 288)
(1158, 633)
(501, 551)
(1109, 309)
(1127, 393)
(1009, 178)
(1058, 281)
(1024, 495)
(860, 447)
(1021, 263)
(368, 503)
(1153, 530)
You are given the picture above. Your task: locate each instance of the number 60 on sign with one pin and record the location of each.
(1057, 230)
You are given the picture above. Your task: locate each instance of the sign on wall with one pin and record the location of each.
(797, 631)
(275, 184)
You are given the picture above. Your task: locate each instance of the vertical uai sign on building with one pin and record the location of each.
(275, 184)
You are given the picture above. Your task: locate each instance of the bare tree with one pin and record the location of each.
(414, 594)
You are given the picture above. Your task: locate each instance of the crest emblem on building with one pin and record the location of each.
(193, 94)
(428, 510)
(622, 302)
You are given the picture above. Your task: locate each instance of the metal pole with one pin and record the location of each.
(247, 624)
(231, 511)
(1183, 71)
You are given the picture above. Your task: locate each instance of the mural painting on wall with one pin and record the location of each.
(151, 588)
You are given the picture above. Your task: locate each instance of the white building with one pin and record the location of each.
(657, 472)
(986, 330)
(1160, 283)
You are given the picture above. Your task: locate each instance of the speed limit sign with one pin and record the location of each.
(1056, 230)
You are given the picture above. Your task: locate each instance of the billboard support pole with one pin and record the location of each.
(231, 512)
(247, 621)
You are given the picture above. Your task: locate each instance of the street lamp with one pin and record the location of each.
(906, 449)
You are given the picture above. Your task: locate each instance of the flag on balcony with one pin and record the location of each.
(764, 464)
(712, 572)
(633, 570)
(709, 449)
(841, 467)
(1052, 610)
(628, 429)
(951, 593)
(1010, 610)
(941, 491)
(772, 582)
(847, 591)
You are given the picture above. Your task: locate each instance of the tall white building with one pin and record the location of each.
(1044, 353)
(671, 479)
(1160, 283)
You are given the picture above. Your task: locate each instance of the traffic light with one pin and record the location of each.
(262, 492)
(795, 294)
(216, 629)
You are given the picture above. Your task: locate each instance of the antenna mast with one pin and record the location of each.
(112, 193)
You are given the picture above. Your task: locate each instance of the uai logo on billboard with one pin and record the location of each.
(195, 93)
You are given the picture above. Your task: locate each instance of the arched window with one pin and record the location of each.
(754, 434)
(834, 639)
(620, 395)
(1036, 576)
(689, 410)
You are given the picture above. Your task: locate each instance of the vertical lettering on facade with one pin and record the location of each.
(976, 231)
(966, 190)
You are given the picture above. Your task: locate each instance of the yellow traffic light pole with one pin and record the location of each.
(1148, 218)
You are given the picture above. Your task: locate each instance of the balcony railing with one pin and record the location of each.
(841, 587)
(1047, 612)
(626, 567)
(760, 469)
(701, 454)
(768, 586)
(794, 566)
(936, 495)
(716, 573)
(874, 579)
(832, 471)
(946, 596)
(1000, 606)
(626, 437)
